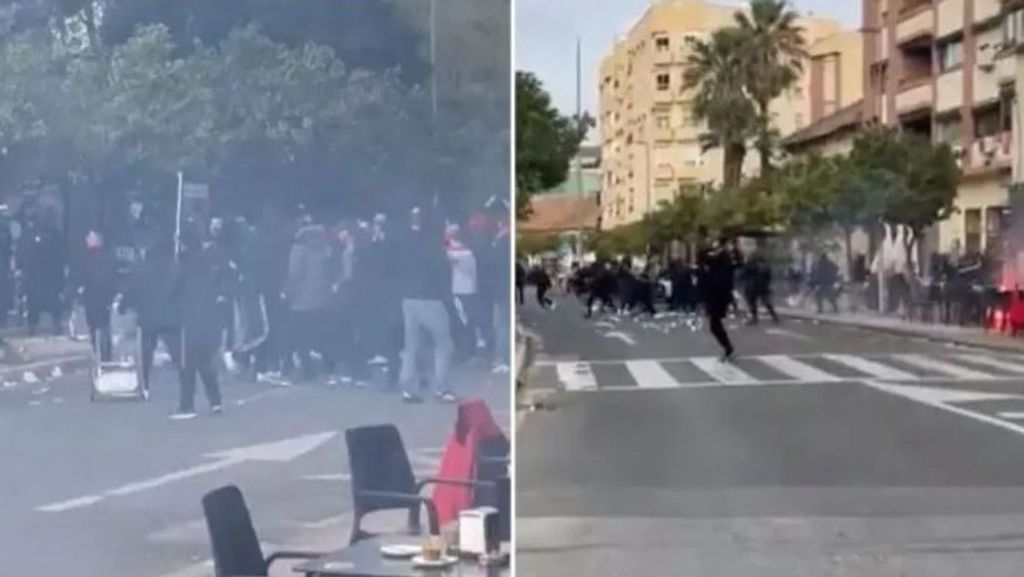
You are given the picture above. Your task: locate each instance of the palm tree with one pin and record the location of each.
(773, 49)
(714, 70)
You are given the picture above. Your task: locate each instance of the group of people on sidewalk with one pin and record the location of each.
(295, 300)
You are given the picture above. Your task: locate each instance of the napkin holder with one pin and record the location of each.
(478, 531)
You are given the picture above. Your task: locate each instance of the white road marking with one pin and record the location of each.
(799, 370)
(1012, 415)
(725, 373)
(651, 375)
(1001, 364)
(933, 398)
(875, 369)
(621, 336)
(576, 376)
(274, 452)
(787, 334)
(604, 325)
(950, 369)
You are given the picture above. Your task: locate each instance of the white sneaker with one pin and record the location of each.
(501, 369)
(182, 416)
(377, 360)
(229, 363)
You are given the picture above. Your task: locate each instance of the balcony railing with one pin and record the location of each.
(914, 94)
(915, 23)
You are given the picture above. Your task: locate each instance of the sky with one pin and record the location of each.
(546, 32)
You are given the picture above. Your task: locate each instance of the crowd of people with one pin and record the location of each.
(721, 282)
(290, 299)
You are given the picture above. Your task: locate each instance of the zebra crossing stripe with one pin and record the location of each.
(1001, 364)
(950, 369)
(875, 369)
(651, 375)
(576, 376)
(799, 370)
(725, 373)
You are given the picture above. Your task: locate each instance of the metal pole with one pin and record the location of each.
(177, 219)
(433, 58)
(881, 270)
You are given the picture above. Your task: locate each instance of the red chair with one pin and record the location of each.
(474, 428)
(1016, 312)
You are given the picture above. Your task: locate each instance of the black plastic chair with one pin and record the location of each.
(236, 548)
(383, 480)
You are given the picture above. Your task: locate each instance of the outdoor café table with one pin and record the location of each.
(364, 559)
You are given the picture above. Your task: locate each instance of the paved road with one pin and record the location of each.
(823, 451)
(112, 489)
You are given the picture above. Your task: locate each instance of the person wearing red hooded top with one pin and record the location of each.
(97, 288)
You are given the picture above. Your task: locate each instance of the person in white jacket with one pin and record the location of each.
(464, 290)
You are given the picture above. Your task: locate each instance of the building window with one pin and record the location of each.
(951, 55)
(661, 44)
(663, 81)
(988, 122)
(662, 121)
(993, 226)
(972, 231)
(1013, 28)
(949, 132)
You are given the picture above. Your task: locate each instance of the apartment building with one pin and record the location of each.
(650, 146)
(939, 68)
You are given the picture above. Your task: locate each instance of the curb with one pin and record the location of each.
(1009, 346)
(42, 370)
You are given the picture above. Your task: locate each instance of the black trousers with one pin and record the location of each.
(150, 337)
(763, 298)
(716, 315)
(199, 362)
(542, 296)
(98, 319)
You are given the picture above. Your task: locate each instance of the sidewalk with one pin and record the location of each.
(967, 336)
(25, 358)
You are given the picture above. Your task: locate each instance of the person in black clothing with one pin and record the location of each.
(520, 282)
(43, 265)
(542, 280)
(716, 281)
(824, 279)
(150, 294)
(757, 286)
(97, 288)
(197, 292)
(644, 290)
(602, 288)
(625, 284)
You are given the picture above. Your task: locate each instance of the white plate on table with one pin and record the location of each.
(420, 562)
(400, 551)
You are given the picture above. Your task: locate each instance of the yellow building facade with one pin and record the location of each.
(650, 142)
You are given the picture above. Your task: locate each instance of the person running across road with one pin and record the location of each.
(427, 287)
(602, 288)
(542, 282)
(717, 273)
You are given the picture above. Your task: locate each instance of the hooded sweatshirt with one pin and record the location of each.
(310, 275)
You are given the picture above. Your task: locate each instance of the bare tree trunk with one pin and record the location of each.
(764, 145)
(848, 245)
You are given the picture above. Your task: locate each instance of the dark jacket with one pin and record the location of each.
(716, 277)
(311, 271)
(196, 292)
(429, 276)
(150, 292)
(98, 280)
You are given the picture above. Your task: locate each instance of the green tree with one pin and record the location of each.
(546, 141)
(919, 178)
(714, 71)
(772, 50)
